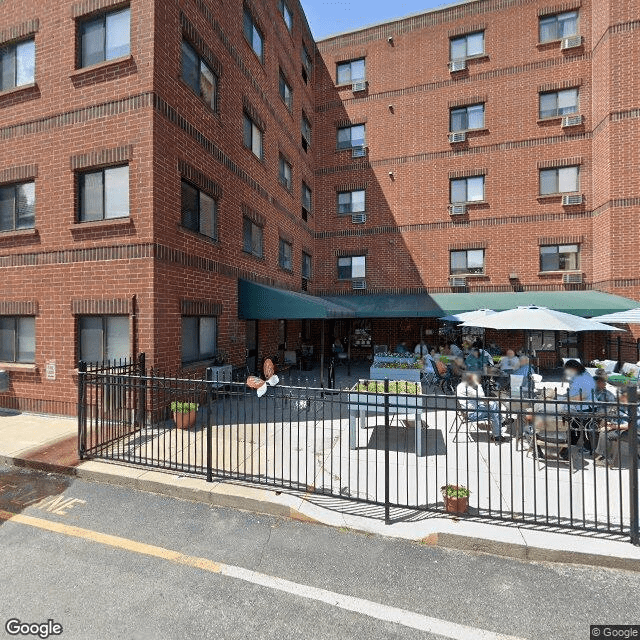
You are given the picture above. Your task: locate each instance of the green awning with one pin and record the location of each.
(435, 305)
(261, 302)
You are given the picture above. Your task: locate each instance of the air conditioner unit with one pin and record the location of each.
(571, 121)
(458, 281)
(572, 278)
(457, 136)
(358, 152)
(457, 209)
(571, 42)
(361, 85)
(359, 284)
(570, 201)
(358, 218)
(457, 65)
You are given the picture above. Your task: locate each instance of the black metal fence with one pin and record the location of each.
(543, 460)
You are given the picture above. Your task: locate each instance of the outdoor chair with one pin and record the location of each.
(565, 360)
(550, 434)
(462, 421)
(609, 366)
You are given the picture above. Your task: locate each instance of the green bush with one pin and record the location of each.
(455, 491)
(183, 407)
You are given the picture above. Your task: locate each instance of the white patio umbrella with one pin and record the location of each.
(468, 315)
(621, 317)
(534, 318)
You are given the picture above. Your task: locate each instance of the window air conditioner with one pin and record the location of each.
(457, 65)
(570, 201)
(571, 121)
(457, 136)
(358, 218)
(571, 42)
(457, 209)
(572, 278)
(359, 284)
(358, 152)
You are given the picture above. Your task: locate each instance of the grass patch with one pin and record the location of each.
(395, 386)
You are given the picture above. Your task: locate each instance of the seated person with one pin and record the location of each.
(455, 349)
(615, 429)
(525, 367)
(602, 394)
(509, 363)
(581, 393)
(402, 347)
(422, 348)
(457, 367)
(337, 347)
(494, 349)
(473, 401)
(474, 361)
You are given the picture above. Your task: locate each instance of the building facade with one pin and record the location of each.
(155, 152)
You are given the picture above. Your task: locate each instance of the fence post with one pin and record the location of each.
(82, 421)
(619, 346)
(142, 391)
(209, 435)
(387, 517)
(632, 395)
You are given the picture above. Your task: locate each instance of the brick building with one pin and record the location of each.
(155, 153)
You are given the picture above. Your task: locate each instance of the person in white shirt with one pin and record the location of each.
(509, 363)
(472, 399)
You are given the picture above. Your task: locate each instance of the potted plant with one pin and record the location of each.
(456, 498)
(184, 414)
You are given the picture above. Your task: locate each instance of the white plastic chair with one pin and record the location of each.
(565, 360)
(516, 385)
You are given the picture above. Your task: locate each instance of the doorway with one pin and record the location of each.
(251, 345)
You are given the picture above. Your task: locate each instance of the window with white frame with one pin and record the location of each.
(253, 34)
(17, 64)
(558, 26)
(465, 118)
(284, 172)
(287, 14)
(465, 190)
(559, 180)
(351, 136)
(18, 206)
(286, 93)
(285, 255)
(467, 261)
(103, 338)
(554, 104)
(560, 257)
(351, 201)
(199, 337)
(350, 71)
(104, 194)
(467, 46)
(18, 339)
(252, 136)
(199, 211)
(198, 75)
(352, 267)
(252, 237)
(105, 37)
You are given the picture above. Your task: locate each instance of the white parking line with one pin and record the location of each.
(368, 608)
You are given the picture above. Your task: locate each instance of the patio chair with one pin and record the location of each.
(565, 360)
(629, 368)
(462, 420)
(551, 436)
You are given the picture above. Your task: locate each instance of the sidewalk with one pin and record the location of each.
(49, 444)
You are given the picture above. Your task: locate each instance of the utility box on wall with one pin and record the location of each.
(4, 381)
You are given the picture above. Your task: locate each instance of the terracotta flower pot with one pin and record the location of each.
(455, 505)
(185, 420)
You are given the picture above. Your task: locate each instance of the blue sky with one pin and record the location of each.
(327, 17)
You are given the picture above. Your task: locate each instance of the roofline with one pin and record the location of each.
(444, 7)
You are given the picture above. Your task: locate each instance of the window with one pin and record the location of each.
(252, 238)
(197, 74)
(543, 340)
(105, 38)
(558, 103)
(17, 64)
(285, 91)
(465, 118)
(103, 338)
(199, 211)
(253, 35)
(104, 194)
(352, 136)
(560, 180)
(284, 172)
(558, 26)
(307, 64)
(306, 266)
(467, 46)
(351, 201)
(305, 127)
(466, 262)
(17, 339)
(287, 14)
(198, 338)
(562, 257)
(467, 189)
(18, 206)
(306, 199)
(284, 255)
(352, 71)
(252, 136)
(352, 267)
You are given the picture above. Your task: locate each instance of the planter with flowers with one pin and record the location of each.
(456, 498)
(184, 414)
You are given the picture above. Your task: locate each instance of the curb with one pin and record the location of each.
(258, 503)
